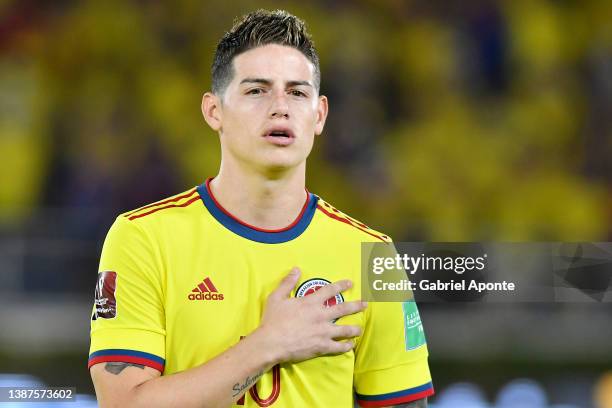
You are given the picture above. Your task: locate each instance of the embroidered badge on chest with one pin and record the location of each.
(312, 285)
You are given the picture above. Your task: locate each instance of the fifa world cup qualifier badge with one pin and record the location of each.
(105, 301)
(312, 285)
(413, 328)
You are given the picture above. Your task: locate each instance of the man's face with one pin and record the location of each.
(270, 111)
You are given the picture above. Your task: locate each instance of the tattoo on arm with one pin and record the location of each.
(117, 367)
(248, 382)
(422, 403)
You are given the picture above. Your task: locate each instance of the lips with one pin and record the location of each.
(279, 136)
(280, 132)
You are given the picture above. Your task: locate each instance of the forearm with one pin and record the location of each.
(217, 383)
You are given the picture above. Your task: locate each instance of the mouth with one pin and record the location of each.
(279, 132)
(279, 136)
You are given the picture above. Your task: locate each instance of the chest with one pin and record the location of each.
(216, 291)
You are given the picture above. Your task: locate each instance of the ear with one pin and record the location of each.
(322, 110)
(211, 110)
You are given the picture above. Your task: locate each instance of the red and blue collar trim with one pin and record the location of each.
(251, 232)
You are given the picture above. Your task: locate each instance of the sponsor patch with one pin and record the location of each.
(105, 301)
(413, 328)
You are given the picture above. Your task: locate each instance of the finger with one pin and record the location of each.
(345, 309)
(338, 347)
(330, 290)
(287, 284)
(345, 331)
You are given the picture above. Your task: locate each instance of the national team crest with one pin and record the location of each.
(312, 285)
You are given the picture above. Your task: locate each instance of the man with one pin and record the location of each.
(225, 289)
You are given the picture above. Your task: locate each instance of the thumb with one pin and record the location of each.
(288, 283)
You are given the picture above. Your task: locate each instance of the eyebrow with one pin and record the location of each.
(268, 82)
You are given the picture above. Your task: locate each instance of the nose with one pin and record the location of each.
(279, 107)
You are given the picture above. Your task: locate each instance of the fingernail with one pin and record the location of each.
(349, 283)
(294, 271)
(364, 304)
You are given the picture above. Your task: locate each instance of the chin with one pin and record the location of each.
(280, 165)
(278, 168)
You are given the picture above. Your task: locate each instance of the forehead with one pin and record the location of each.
(275, 62)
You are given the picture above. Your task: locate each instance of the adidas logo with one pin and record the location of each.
(205, 291)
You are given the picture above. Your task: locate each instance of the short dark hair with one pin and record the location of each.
(258, 28)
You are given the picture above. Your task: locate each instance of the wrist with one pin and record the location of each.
(264, 345)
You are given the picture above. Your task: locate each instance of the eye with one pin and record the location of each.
(296, 92)
(255, 91)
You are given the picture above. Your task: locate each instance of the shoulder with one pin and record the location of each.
(145, 226)
(160, 217)
(166, 206)
(348, 225)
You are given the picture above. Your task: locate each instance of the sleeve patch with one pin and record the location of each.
(413, 328)
(105, 300)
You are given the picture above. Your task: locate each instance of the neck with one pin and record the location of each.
(259, 200)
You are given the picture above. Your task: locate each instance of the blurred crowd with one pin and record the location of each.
(449, 120)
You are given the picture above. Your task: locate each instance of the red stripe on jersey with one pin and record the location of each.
(203, 287)
(126, 359)
(185, 204)
(397, 400)
(210, 285)
(346, 221)
(170, 200)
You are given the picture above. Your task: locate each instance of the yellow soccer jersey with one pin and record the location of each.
(182, 280)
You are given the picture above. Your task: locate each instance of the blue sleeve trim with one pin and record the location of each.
(124, 352)
(396, 394)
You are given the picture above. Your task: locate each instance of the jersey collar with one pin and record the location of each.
(251, 232)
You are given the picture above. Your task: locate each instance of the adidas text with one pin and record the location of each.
(205, 296)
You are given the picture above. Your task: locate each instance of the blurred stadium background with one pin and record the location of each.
(450, 121)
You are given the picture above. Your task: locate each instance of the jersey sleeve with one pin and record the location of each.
(127, 322)
(391, 357)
